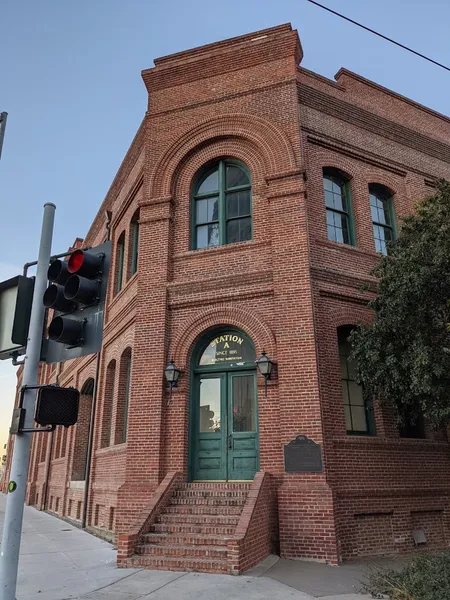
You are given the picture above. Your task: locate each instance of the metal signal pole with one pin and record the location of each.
(3, 117)
(9, 555)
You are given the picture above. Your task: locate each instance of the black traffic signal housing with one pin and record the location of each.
(77, 294)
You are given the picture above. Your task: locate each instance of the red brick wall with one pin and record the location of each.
(289, 288)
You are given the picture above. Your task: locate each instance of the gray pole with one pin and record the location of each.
(3, 117)
(12, 529)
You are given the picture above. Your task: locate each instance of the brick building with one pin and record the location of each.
(245, 217)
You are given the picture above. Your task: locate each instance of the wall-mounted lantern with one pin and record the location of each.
(264, 365)
(172, 373)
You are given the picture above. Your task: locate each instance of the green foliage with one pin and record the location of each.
(403, 357)
(426, 577)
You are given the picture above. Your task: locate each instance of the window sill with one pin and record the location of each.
(116, 449)
(127, 285)
(346, 248)
(373, 440)
(224, 249)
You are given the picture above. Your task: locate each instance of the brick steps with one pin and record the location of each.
(179, 550)
(198, 519)
(211, 493)
(205, 485)
(192, 539)
(202, 509)
(181, 528)
(207, 501)
(191, 532)
(179, 564)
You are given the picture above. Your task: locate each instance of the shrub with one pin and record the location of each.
(426, 577)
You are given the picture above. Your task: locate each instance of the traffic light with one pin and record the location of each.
(77, 295)
(206, 419)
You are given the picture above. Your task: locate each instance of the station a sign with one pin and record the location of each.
(228, 348)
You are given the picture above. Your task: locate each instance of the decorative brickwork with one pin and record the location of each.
(288, 288)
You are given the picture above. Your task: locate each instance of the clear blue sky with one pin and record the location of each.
(70, 81)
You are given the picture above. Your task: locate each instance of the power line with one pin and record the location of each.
(380, 35)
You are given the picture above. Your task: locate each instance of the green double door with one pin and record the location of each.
(225, 427)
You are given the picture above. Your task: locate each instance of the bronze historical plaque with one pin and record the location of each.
(303, 455)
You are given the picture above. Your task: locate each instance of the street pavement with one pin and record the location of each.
(60, 562)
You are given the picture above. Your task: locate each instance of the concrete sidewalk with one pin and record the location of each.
(60, 562)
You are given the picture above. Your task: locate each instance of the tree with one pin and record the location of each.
(403, 356)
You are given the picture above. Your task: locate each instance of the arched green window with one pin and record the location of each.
(134, 244)
(338, 206)
(383, 219)
(120, 253)
(222, 199)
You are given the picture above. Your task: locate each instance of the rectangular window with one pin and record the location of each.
(382, 217)
(120, 257)
(338, 210)
(134, 247)
(359, 416)
(127, 399)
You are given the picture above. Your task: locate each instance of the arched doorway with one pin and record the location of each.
(224, 441)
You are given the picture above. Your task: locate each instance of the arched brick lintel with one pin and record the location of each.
(247, 321)
(274, 146)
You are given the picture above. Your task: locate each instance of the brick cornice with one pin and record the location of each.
(334, 276)
(206, 299)
(224, 98)
(346, 73)
(252, 278)
(223, 57)
(318, 139)
(344, 297)
(364, 119)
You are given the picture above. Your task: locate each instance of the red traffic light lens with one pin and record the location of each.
(76, 261)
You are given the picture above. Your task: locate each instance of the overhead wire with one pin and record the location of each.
(385, 37)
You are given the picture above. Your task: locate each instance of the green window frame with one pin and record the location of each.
(134, 244)
(338, 204)
(120, 259)
(127, 399)
(358, 409)
(222, 205)
(383, 217)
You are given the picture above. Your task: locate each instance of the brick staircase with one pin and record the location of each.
(192, 531)
(206, 527)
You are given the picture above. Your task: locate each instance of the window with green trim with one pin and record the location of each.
(359, 415)
(134, 246)
(382, 210)
(120, 253)
(338, 207)
(123, 397)
(222, 205)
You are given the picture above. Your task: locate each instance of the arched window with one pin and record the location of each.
(82, 431)
(338, 206)
(359, 417)
(120, 253)
(222, 198)
(383, 219)
(108, 399)
(134, 244)
(123, 397)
